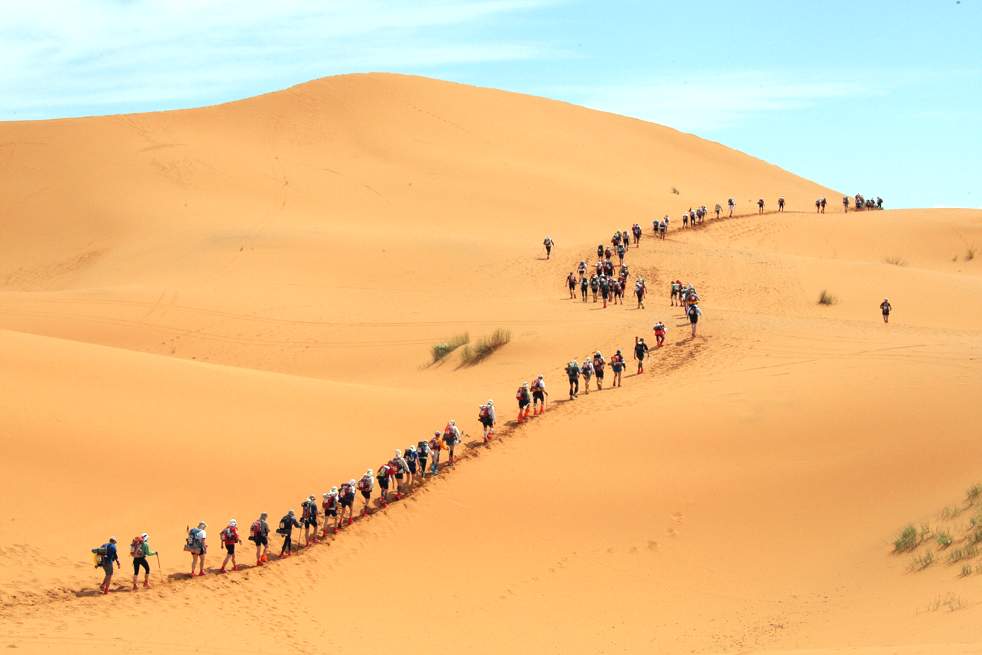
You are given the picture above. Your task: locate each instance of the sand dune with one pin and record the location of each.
(210, 313)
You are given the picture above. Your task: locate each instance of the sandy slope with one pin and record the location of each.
(213, 312)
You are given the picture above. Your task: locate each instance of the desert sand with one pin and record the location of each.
(210, 313)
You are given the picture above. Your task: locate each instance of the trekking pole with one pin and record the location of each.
(160, 570)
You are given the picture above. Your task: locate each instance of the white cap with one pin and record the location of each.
(233, 522)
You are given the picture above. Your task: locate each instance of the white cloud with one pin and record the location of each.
(113, 55)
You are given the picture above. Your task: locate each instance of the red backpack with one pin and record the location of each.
(136, 547)
(255, 529)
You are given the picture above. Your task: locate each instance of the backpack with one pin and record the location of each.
(284, 522)
(364, 484)
(255, 530)
(194, 540)
(229, 536)
(423, 447)
(136, 547)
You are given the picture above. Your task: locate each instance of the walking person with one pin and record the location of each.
(287, 523)
(436, 446)
(107, 556)
(573, 374)
(539, 394)
(780, 204)
(486, 416)
(347, 501)
(308, 518)
(365, 486)
(571, 285)
(586, 370)
(140, 551)
(617, 366)
(640, 352)
(451, 437)
(730, 204)
(639, 291)
(676, 291)
(423, 453)
(410, 455)
(383, 474)
(197, 546)
(693, 313)
(548, 243)
(718, 210)
(760, 205)
(598, 369)
(886, 308)
(230, 538)
(330, 504)
(259, 535)
(660, 331)
(401, 468)
(845, 204)
(584, 285)
(524, 397)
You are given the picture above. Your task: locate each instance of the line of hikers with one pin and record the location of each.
(860, 203)
(394, 478)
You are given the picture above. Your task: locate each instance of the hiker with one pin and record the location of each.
(617, 366)
(347, 501)
(598, 369)
(760, 205)
(197, 546)
(879, 202)
(287, 523)
(451, 437)
(780, 204)
(604, 289)
(639, 291)
(694, 313)
(660, 331)
(401, 468)
(365, 486)
(685, 220)
(676, 291)
(436, 445)
(581, 268)
(600, 251)
(410, 455)
(584, 285)
(640, 351)
(663, 229)
(571, 285)
(230, 537)
(330, 503)
(259, 535)
(382, 475)
(140, 551)
(730, 203)
(718, 210)
(573, 374)
(423, 453)
(886, 308)
(524, 397)
(823, 202)
(621, 251)
(107, 555)
(845, 204)
(594, 286)
(637, 235)
(539, 394)
(548, 243)
(586, 370)
(485, 414)
(308, 517)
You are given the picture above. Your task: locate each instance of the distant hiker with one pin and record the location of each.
(886, 308)
(581, 268)
(685, 220)
(586, 370)
(640, 352)
(287, 523)
(548, 243)
(845, 204)
(637, 235)
(107, 555)
(660, 331)
(730, 204)
(401, 468)
(410, 455)
(676, 291)
(693, 313)
(308, 518)
(598, 369)
(330, 503)
(718, 210)
(692, 217)
(879, 202)
(524, 397)
(347, 501)
(423, 453)
(573, 375)
(617, 366)
(663, 229)
(451, 437)
(594, 285)
(197, 546)
(639, 291)
(822, 202)
(818, 204)
(259, 535)
(760, 205)
(230, 537)
(584, 286)
(571, 285)
(486, 416)
(604, 289)
(365, 486)
(600, 251)
(539, 394)
(780, 204)
(140, 551)
(436, 445)
(383, 474)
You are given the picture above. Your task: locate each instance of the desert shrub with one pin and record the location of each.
(896, 261)
(966, 570)
(943, 538)
(826, 298)
(477, 352)
(442, 349)
(906, 541)
(675, 191)
(921, 562)
(970, 254)
(956, 555)
(973, 494)
(950, 512)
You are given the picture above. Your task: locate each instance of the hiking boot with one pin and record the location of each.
(146, 584)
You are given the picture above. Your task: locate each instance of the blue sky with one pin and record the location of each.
(879, 97)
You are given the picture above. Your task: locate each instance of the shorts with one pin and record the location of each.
(310, 523)
(538, 395)
(366, 494)
(107, 567)
(412, 467)
(422, 463)
(261, 541)
(347, 502)
(886, 313)
(384, 483)
(522, 404)
(138, 563)
(617, 370)
(485, 421)
(230, 549)
(693, 319)
(599, 373)
(331, 512)
(399, 476)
